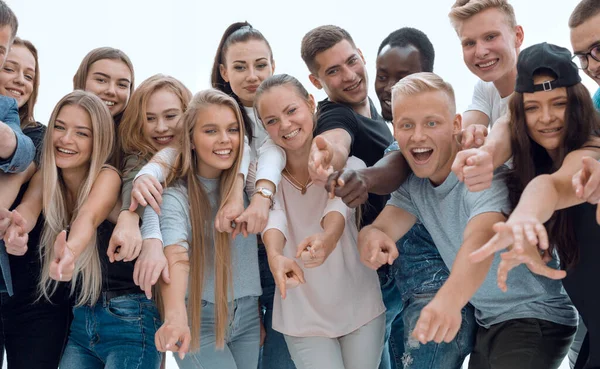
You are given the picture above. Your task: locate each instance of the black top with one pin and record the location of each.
(370, 137)
(117, 276)
(581, 281)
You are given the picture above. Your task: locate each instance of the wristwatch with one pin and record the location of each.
(266, 193)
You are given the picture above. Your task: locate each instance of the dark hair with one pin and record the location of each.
(585, 10)
(237, 32)
(411, 36)
(321, 39)
(279, 80)
(26, 111)
(530, 160)
(8, 18)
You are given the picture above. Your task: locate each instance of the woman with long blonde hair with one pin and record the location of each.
(77, 192)
(224, 282)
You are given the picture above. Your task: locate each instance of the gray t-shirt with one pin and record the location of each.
(445, 211)
(176, 229)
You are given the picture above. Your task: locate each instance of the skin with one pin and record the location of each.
(393, 64)
(18, 74)
(583, 38)
(247, 64)
(163, 111)
(110, 80)
(72, 132)
(6, 38)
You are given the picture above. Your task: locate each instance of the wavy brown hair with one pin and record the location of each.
(26, 111)
(530, 159)
(186, 170)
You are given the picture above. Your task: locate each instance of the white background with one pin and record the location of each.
(179, 37)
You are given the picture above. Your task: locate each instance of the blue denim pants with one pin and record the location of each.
(116, 333)
(407, 287)
(242, 338)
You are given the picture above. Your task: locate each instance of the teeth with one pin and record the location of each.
(14, 92)
(489, 64)
(166, 138)
(353, 87)
(550, 130)
(109, 103)
(292, 134)
(65, 151)
(222, 152)
(421, 150)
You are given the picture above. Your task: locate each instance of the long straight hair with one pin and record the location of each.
(530, 159)
(131, 129)
(186, 170)
(235, 33)
(26, 111)
(88, 274)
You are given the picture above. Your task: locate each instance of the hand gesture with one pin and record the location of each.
(439, 321)
(586, 183)
(63, 265)
(473, 136)
(173, 336)
(474, 167)
(5, 220)
(16, 238)
(126, 240)
(147, 190)
(150, 265)
(319, 162)
(233, 208)
(350, 185)
(376, 248)
(286, 273)
(315, 249)
(254, 218)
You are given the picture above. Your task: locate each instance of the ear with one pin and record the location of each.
(272, 66)
(361, 56)
(315, 81)
(519, 36)
(311, 103)
(223, 72)
(457, 124)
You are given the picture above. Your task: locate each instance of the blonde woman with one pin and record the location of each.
(150, 123)
(113, 322)
(221, 320)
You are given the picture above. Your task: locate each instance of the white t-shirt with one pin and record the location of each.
(487, 100)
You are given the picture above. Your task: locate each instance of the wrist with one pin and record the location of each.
(452, 296)
(265, 194)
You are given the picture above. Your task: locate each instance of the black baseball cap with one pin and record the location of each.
(546, 56)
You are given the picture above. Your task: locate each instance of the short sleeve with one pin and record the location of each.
(25, 150)
(174, 218)
(246, 158)
(160, 164)
(481, 101)
(491, 200)
(401, 198)
(331, 116)
(270, 163)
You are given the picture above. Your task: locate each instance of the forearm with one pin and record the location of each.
(540, 199)
(274, 242)
(387, 174)
(340, 157)
(8, 141)
(333, 226)
(31, 205)
(498, 143)
(11, 183)
(173, 294)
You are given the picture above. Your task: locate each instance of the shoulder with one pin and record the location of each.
(109, 171)
(355, 163)
(327, 109)
(35, 132)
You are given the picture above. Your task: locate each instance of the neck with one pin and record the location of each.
(506, 84)
(363, 108)
(73, 179)
(444, 170)
(297, 161)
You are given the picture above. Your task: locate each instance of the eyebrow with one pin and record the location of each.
(165, 111)
(77, 127)
(109, 77)
(597, 43)
(244, 62)
(338, 65)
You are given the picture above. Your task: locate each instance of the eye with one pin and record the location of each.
(490, 37)
(29, 77)
(9, 70)
(291, 111)
(431, 124)
(101, 80)
(468, 43)
(234, 130)
(83, 134)
(352, 61)
(406, 125)
(271, 121)
(172, 116)
(123, 86)
(239, 68)
(331, 72)
(151, 119)
(530, 108)
(261, 65)
(381, 78)
(210, 131)
(59, 128)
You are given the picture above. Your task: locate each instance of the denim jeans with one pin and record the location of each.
(409, 285)
(115, 333)
(242, 338)
(275, 354)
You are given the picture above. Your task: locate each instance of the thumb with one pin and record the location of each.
(18, 219)
(60, 244)
(298, 271)
(322, 143)
(588, 162)
(5, 213)
(302, 246)
(134, 204)
(113, 243)
(166, 275)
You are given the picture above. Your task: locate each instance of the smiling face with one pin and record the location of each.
(585, 37)
(393, 64)
(342, 74)
(18, 75)
(163, 111)
(424, 126)
(545, 116)
(72, 138)
(287, 116)
(110, 80)
(247, 64)
(216, 139)
(490, 44)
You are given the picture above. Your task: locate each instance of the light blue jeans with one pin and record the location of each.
(242, 338)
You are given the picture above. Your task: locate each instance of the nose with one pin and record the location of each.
(161, 126)
(481, 51)
(547, 117)
(66, 138)
(418, 134)
(252, 74)
(224, 136)
(348, 74)
(110, 89)
(19, 79)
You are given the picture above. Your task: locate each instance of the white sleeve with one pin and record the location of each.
(245, 158)
(160, 164)
(482, 101)
(150, 225)
(271, 161)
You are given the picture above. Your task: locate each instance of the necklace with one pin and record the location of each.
(297, 183)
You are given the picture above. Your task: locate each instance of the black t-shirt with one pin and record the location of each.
(116, 276)
(370, 137)
(581, 279)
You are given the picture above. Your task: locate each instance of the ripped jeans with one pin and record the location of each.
(407, 287)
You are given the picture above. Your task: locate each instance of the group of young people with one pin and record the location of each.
(248, 226)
